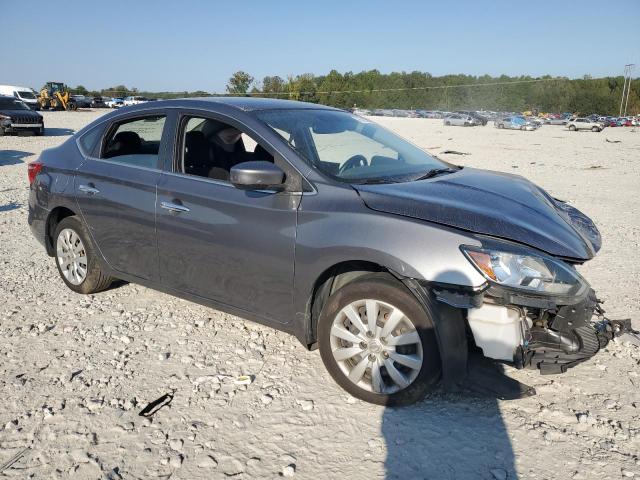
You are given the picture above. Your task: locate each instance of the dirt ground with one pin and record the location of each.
(75, 371)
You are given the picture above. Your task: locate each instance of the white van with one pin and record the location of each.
(26, 94)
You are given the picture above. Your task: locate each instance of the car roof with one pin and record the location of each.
(243, 103)
(15, 87)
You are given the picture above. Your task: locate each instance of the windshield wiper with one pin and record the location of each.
(373, 181)
(435, 172)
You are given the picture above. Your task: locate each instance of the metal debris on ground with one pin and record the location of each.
(156, 405)
(455, 152)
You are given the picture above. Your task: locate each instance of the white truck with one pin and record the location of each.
(134, 100)
(584, 124)
(25, 94)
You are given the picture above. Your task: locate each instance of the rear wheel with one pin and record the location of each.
(76, 258)
(378, 343)
(595, 129)
(447, 124)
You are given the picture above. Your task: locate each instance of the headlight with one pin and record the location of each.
(526, 271)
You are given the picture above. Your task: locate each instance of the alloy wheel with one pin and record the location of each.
(376, 346)
(71, 256)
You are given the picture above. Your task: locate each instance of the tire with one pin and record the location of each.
(420, 347)
(595, 129)
(448, 124)
(500, 125)
(572, 128)
(94, 279)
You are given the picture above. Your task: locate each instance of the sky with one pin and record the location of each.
(188, 45)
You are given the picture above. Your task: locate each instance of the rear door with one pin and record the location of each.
(233, 246)
(116, 192)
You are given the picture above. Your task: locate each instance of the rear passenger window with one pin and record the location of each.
(90, 139)
(135, 142)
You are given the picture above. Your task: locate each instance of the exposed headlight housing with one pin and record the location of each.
(526, 271)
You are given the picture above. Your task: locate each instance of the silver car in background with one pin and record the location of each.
(460, 120)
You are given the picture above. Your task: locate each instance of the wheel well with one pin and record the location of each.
(331, 280)
(55, 217)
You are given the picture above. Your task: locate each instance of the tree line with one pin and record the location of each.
(421, 90)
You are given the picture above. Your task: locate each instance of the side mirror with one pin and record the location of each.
(257, 175)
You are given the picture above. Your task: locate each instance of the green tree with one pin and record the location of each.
(239, 83)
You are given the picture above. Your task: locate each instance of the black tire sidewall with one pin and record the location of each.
(94, 270)
(391, 291)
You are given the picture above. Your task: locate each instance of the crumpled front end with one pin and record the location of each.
(537, 332)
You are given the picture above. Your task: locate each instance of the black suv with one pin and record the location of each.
(16, 116)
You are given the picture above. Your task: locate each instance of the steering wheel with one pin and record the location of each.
(355, 161)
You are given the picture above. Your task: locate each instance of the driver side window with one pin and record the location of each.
(210, 148)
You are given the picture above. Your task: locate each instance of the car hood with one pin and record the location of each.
(491, 203)
(19, 113)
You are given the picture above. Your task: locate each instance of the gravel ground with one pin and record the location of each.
(75, 371)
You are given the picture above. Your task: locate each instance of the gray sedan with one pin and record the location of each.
(324, 225)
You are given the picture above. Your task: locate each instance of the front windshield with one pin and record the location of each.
(26, 94)
(12, 104)
(350, 148)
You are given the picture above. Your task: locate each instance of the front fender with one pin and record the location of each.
(334, 226)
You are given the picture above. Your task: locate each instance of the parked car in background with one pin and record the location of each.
(97, 102)
(114, 103)
(81, 101)
(278, 229)
(538, 122)
(584, 124)
(480, 119)
(361, 111)
(515, 123)
(460, 120)
(16, 116)
(429, 113)
(556, 121)
(134, 100)
(26, 94)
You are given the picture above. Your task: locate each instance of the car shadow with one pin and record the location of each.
(455, 433)
(58, 132)
(448, 436)
(12, 157)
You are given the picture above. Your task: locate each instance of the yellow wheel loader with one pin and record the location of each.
(54, 96)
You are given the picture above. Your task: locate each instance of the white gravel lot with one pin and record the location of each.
(76, 370)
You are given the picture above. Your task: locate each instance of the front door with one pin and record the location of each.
(215, 241)
(116, 194)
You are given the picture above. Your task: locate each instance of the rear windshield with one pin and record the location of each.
(12, 104)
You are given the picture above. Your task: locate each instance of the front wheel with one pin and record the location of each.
(76, 258)
(572, 128)
(595, 129)
(378, 343)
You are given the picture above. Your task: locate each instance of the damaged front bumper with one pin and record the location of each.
(529, 331)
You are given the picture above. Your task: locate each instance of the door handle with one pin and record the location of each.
(174, 207)
(89, 190)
